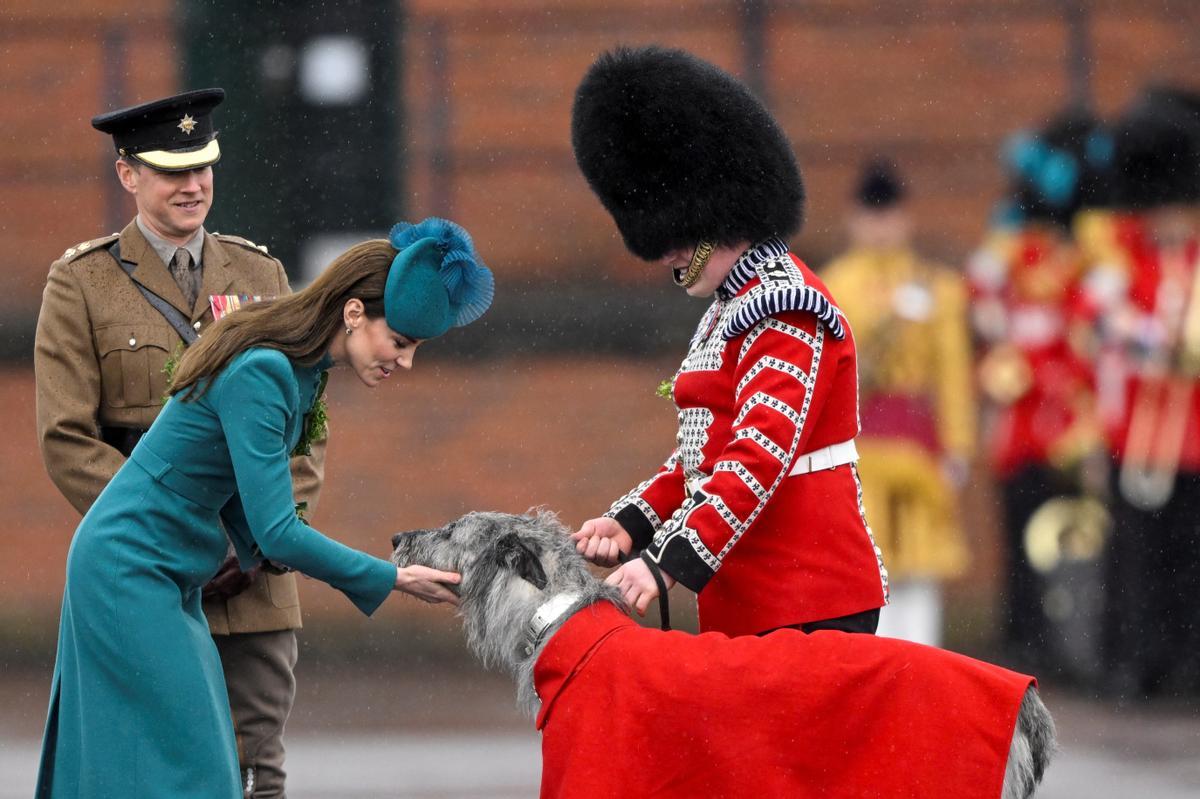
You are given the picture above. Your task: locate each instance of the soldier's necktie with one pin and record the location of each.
(185, 275)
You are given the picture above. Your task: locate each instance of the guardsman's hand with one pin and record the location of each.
(637, 585)
(602, 541)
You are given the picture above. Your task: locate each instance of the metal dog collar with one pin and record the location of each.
(547, 613)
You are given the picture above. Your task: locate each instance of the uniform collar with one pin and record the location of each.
(149, 270)
(166, 249)
(745, 268)
(570, 648)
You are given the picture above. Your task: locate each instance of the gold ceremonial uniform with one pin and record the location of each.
(99, 354)
(917, 406)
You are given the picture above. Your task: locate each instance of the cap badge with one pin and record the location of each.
(187, 124)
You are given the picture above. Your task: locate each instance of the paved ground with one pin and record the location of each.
(364, 736)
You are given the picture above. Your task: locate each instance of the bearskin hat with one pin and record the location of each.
(879, 185)
(1157, 155)
(1184, 101)
(680, 152)
(1062, 168)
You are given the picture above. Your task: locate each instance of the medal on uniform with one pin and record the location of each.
(222, 304)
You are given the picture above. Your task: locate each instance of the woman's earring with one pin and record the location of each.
(349, 331)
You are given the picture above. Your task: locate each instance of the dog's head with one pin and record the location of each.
(485, 547)
(509, 566)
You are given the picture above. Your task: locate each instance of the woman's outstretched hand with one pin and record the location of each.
(429, 585)
(602, 541)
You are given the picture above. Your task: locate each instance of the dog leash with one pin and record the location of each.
(664, 602)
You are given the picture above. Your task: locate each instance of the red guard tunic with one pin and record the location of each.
(829, 714)
(1026, 297)
(770, 377)
(1148, 320)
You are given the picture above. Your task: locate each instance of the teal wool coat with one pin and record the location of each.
(138, 706)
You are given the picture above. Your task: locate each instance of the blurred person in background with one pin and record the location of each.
(1148, 320)
(138, 703)
(1035, 367)
(916, 400)
(115, 311)
(757, 509)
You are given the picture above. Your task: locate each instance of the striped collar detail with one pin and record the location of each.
(746, 267)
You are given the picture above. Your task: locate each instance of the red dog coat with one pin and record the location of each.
(633, 712)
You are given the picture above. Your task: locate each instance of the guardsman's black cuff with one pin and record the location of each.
(637, 525)
(682, 562)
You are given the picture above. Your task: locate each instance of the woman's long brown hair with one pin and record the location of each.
(300, 325)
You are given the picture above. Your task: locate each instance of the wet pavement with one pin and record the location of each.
(360, 735)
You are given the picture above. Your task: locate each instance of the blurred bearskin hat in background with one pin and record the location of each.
(1183, 101)
(1157, 150)
(1061, 169)
(680, 152)
(880, 185)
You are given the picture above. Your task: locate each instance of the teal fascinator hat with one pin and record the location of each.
(436, 281)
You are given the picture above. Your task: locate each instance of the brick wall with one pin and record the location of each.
(60, 64)
(488, 87)
(937, 85)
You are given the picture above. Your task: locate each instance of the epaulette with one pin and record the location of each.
(243, 242)
(764, 300)
(87, 246)
(781, 288)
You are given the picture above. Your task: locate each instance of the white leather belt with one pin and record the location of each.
(825, 458)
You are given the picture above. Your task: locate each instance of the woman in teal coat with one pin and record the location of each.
(138, 705)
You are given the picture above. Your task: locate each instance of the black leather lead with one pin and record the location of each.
(174, 318)
(664, 603)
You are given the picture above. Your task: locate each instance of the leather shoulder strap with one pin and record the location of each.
(177, 320)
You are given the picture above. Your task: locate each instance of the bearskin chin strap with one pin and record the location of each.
(700, 256)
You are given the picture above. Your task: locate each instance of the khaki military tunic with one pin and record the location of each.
(99, 355)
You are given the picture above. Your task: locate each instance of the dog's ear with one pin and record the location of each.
(514, 554)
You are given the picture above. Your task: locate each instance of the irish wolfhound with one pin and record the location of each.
(790, 714)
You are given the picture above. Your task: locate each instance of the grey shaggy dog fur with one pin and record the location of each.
(510, 565)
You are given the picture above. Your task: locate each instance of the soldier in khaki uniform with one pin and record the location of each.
(100, 352)
(916, 401)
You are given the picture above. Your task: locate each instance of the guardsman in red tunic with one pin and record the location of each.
(1035, 370)
(758, 509)
(1151, 326)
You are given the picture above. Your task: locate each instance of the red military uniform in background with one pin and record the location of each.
(1026, 303)
(1149, 322)
(1037, 381)
(1147, 276)
(759, 508)
(1143, 328)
